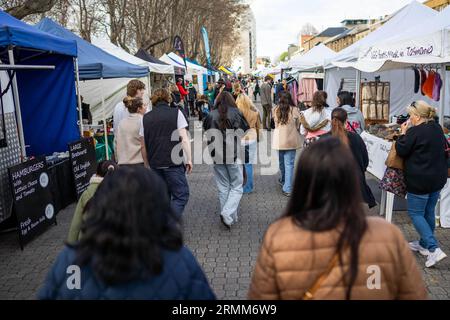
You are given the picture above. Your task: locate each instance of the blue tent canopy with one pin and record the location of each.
(17, 33)
(47, 97)
(93, 62)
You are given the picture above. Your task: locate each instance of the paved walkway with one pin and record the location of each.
(227, 257)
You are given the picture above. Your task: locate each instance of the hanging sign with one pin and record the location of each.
(33, 203)
(408, 49)
(84, 163)
(178, 47)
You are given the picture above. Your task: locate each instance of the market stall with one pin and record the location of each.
(342, 69)
(161, 73)
(38, 119)
(194, 72)
(96, 64)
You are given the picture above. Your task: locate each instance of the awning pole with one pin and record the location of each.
(149, 86)
(358, 88)
(17, 106)
(105, 128)
(443, 90)
(442, 113)
(80, 112)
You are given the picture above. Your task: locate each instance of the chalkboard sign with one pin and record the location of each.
(84, 163)
(33, 203)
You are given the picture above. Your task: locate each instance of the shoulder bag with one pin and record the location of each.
(309, 294)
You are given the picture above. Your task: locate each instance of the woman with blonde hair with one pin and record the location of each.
(250, 140)
(422, 145)
(237, 90)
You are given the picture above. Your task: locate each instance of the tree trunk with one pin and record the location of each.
(30, 7)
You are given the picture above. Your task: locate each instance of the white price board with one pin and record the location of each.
(378, 150)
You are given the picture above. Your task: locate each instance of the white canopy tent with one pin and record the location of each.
(344, 65)
(426, 43)
(114, 90)
(192, 69)
(314, 58)
(401, 20)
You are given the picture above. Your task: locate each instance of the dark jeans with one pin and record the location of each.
(267, 116)
(175, 178)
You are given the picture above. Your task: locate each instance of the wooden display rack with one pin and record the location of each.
(376, 120)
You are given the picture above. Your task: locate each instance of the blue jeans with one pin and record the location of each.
(287, 161)
(175, 178)
(229, 179)
(250, 159)
(421, 210)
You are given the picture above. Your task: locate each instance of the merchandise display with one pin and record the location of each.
(375, 101)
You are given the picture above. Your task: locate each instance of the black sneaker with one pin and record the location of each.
(286, 194)
(280, 182)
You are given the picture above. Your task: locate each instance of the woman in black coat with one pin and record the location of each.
(422, 146)
(358, 148)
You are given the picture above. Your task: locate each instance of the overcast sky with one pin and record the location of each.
(279, 21)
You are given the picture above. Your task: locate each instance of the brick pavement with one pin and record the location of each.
(227, 257)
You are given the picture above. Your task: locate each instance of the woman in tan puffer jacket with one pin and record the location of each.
(325, 247)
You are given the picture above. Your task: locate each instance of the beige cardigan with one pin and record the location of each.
(287, 136)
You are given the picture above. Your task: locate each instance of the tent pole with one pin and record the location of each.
(149, 85)
(443, 91)
(17, 106)
(105, 128)
(358, 87)
(80, 113)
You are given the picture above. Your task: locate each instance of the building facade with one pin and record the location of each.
(245, 62)
(322, 37)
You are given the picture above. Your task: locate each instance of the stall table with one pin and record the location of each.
(378, 150)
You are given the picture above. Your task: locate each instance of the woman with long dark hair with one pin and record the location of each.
(224, 142)
(358, 149)
(325, 247)
(316, 120)
(286, 139)
(132, 246)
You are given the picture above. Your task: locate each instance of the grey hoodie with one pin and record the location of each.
(355, 119)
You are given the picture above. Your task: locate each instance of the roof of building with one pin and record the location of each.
(347, 32)
(331, 32)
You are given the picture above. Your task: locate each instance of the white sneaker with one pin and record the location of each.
(416, 247)
(435, 257)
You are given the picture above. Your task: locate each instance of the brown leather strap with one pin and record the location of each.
(309, 294)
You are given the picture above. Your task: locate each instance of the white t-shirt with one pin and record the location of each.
(181, 123)
(120, 113)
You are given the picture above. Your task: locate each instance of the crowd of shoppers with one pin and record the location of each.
(126, 231)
